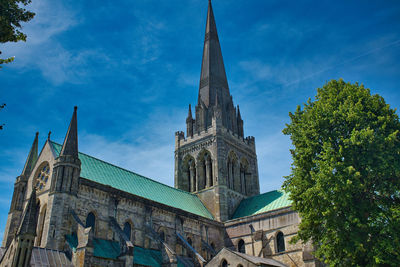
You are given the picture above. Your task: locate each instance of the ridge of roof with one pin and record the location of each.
(135, 173)
(203, 213)
(257, 260)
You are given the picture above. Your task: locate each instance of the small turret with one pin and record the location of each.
(64, 187)
(67, 166)
(70, 145)
(239, 123)
(21, 256)
(32, 158)
(29, 219)
(20, 185)
(189, 123)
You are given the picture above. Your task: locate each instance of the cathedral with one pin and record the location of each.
(72, 209)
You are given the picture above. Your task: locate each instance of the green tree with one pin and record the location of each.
(345, 178)
(12, 14)
(1, 107)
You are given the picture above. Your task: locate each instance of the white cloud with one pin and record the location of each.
(148, 151)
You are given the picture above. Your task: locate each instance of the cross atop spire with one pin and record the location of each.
(70, 145)
(32, 157)
(213, 76)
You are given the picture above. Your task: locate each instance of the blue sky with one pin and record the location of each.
(132, 68)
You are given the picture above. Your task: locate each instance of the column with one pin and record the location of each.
(242, 181)
(208, 172)
(230, 173)
(192, 178)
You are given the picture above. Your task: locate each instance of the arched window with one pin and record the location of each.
(241, 246)
(233, 174)
(244, 176)
(189, 173)
(280, 242)
(162, 235)
(240, 265)
(224, 263)
(42, 176)
(127, 230)
(91, 221)
(40, 226)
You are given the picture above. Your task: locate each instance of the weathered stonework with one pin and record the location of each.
(76, 216)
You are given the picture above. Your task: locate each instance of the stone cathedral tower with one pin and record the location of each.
(214, 160)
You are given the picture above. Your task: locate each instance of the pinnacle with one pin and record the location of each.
(32, 157)
(70, 145)
(29, 219)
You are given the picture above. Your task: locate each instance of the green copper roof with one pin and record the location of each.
(147, 257)
(262, 203)
(107, 174)
(102, 248)
(106, 248)
(72, 240)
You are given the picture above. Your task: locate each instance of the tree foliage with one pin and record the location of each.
(12, 14)
(345, 179)
(1, 107)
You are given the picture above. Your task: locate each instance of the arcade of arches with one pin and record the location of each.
(198, 174)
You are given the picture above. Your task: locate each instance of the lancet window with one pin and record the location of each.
(280, 242)
(128, 230)
(40, 225)
(244, 176)
(205, 170)
(241, 246)
(91, 221)
(232, 182)
(189, 173)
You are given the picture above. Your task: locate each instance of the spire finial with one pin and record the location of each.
(70, 145)
(48, 135)
(32, 157)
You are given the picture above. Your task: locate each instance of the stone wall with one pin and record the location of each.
(259, 233)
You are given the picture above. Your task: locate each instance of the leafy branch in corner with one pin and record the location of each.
(1, 107)
(12, 14)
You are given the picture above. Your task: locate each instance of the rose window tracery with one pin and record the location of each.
(42, 176)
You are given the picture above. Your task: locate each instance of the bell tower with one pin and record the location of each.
(214, 160)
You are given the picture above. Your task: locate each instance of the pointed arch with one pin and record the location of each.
(232, 170)
(40, 225)
(127, 229)
(91, 221)
(241, 246)
(280, 242)
(189, 174)
(162, 233)
(245, 176)
(205, 169)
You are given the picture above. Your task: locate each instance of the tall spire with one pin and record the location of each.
(213, 76)
(70, 145)
(32, 157)
(29, 219)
